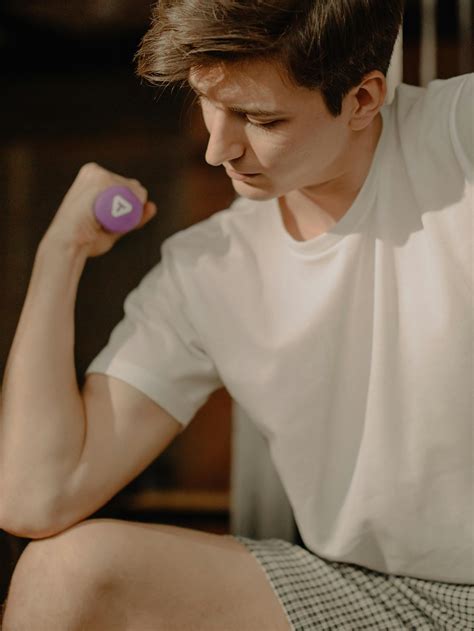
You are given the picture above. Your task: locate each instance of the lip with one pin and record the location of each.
(236, 175)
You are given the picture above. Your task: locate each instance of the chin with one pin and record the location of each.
(254, 192)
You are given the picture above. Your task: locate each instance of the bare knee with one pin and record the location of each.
(54, 577)
(75, 555)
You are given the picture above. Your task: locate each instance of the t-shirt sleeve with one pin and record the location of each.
(156, 348)
(435, 127)
(462, 125)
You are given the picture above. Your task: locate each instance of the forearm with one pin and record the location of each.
(42, 421)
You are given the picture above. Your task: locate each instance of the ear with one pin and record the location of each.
(366, 99)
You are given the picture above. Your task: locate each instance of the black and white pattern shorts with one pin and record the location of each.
(325, 595)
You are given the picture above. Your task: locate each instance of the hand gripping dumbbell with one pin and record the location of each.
(117, 209)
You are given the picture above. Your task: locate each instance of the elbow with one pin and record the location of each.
(28, 529)
(28, 520)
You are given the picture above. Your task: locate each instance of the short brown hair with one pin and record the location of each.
(328, 45)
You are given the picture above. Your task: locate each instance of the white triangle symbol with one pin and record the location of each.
(121, 206)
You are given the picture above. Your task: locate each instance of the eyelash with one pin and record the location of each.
(263, 126)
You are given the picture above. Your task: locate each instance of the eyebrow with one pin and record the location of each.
(248, 111)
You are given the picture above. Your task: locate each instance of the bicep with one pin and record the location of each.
(125, 432)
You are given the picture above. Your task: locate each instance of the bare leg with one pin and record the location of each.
(110, 575)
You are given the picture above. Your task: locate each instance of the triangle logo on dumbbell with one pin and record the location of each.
(121, 206)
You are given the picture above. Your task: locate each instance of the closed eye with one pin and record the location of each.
(267, 125)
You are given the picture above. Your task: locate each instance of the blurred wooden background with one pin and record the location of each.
(70, 96)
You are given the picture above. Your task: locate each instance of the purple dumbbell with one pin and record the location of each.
(117, 209)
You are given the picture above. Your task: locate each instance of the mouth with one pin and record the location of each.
(237, 175)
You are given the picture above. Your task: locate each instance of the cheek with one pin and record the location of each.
(269, 150)
(306, 151)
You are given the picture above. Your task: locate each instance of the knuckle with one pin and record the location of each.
(92, 171)
(89, 167)
(137, 184)
(139, 189)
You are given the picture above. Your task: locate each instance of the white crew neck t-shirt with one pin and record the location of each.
(352, 351)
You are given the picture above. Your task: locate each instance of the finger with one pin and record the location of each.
(149, 211)
(134, 185)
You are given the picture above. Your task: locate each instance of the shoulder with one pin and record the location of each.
(440, 93)
(435, 121)
(224, 234)
(213, 253)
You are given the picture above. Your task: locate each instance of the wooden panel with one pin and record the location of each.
(179, 501)
(411, 42)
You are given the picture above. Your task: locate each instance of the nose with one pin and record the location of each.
(225, 139)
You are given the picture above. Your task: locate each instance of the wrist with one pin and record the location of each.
(63, 263)
(53, 243)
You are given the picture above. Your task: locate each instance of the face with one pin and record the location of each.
(271, 136)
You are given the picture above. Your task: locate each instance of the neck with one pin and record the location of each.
(314, 209)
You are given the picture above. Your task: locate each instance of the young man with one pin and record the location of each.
(333, 300)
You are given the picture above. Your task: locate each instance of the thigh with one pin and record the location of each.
(176, 579)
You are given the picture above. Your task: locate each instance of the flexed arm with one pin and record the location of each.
(45, 425)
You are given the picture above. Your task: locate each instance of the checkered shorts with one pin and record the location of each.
(318, 594)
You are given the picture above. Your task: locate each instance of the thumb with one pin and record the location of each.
(149, 211)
